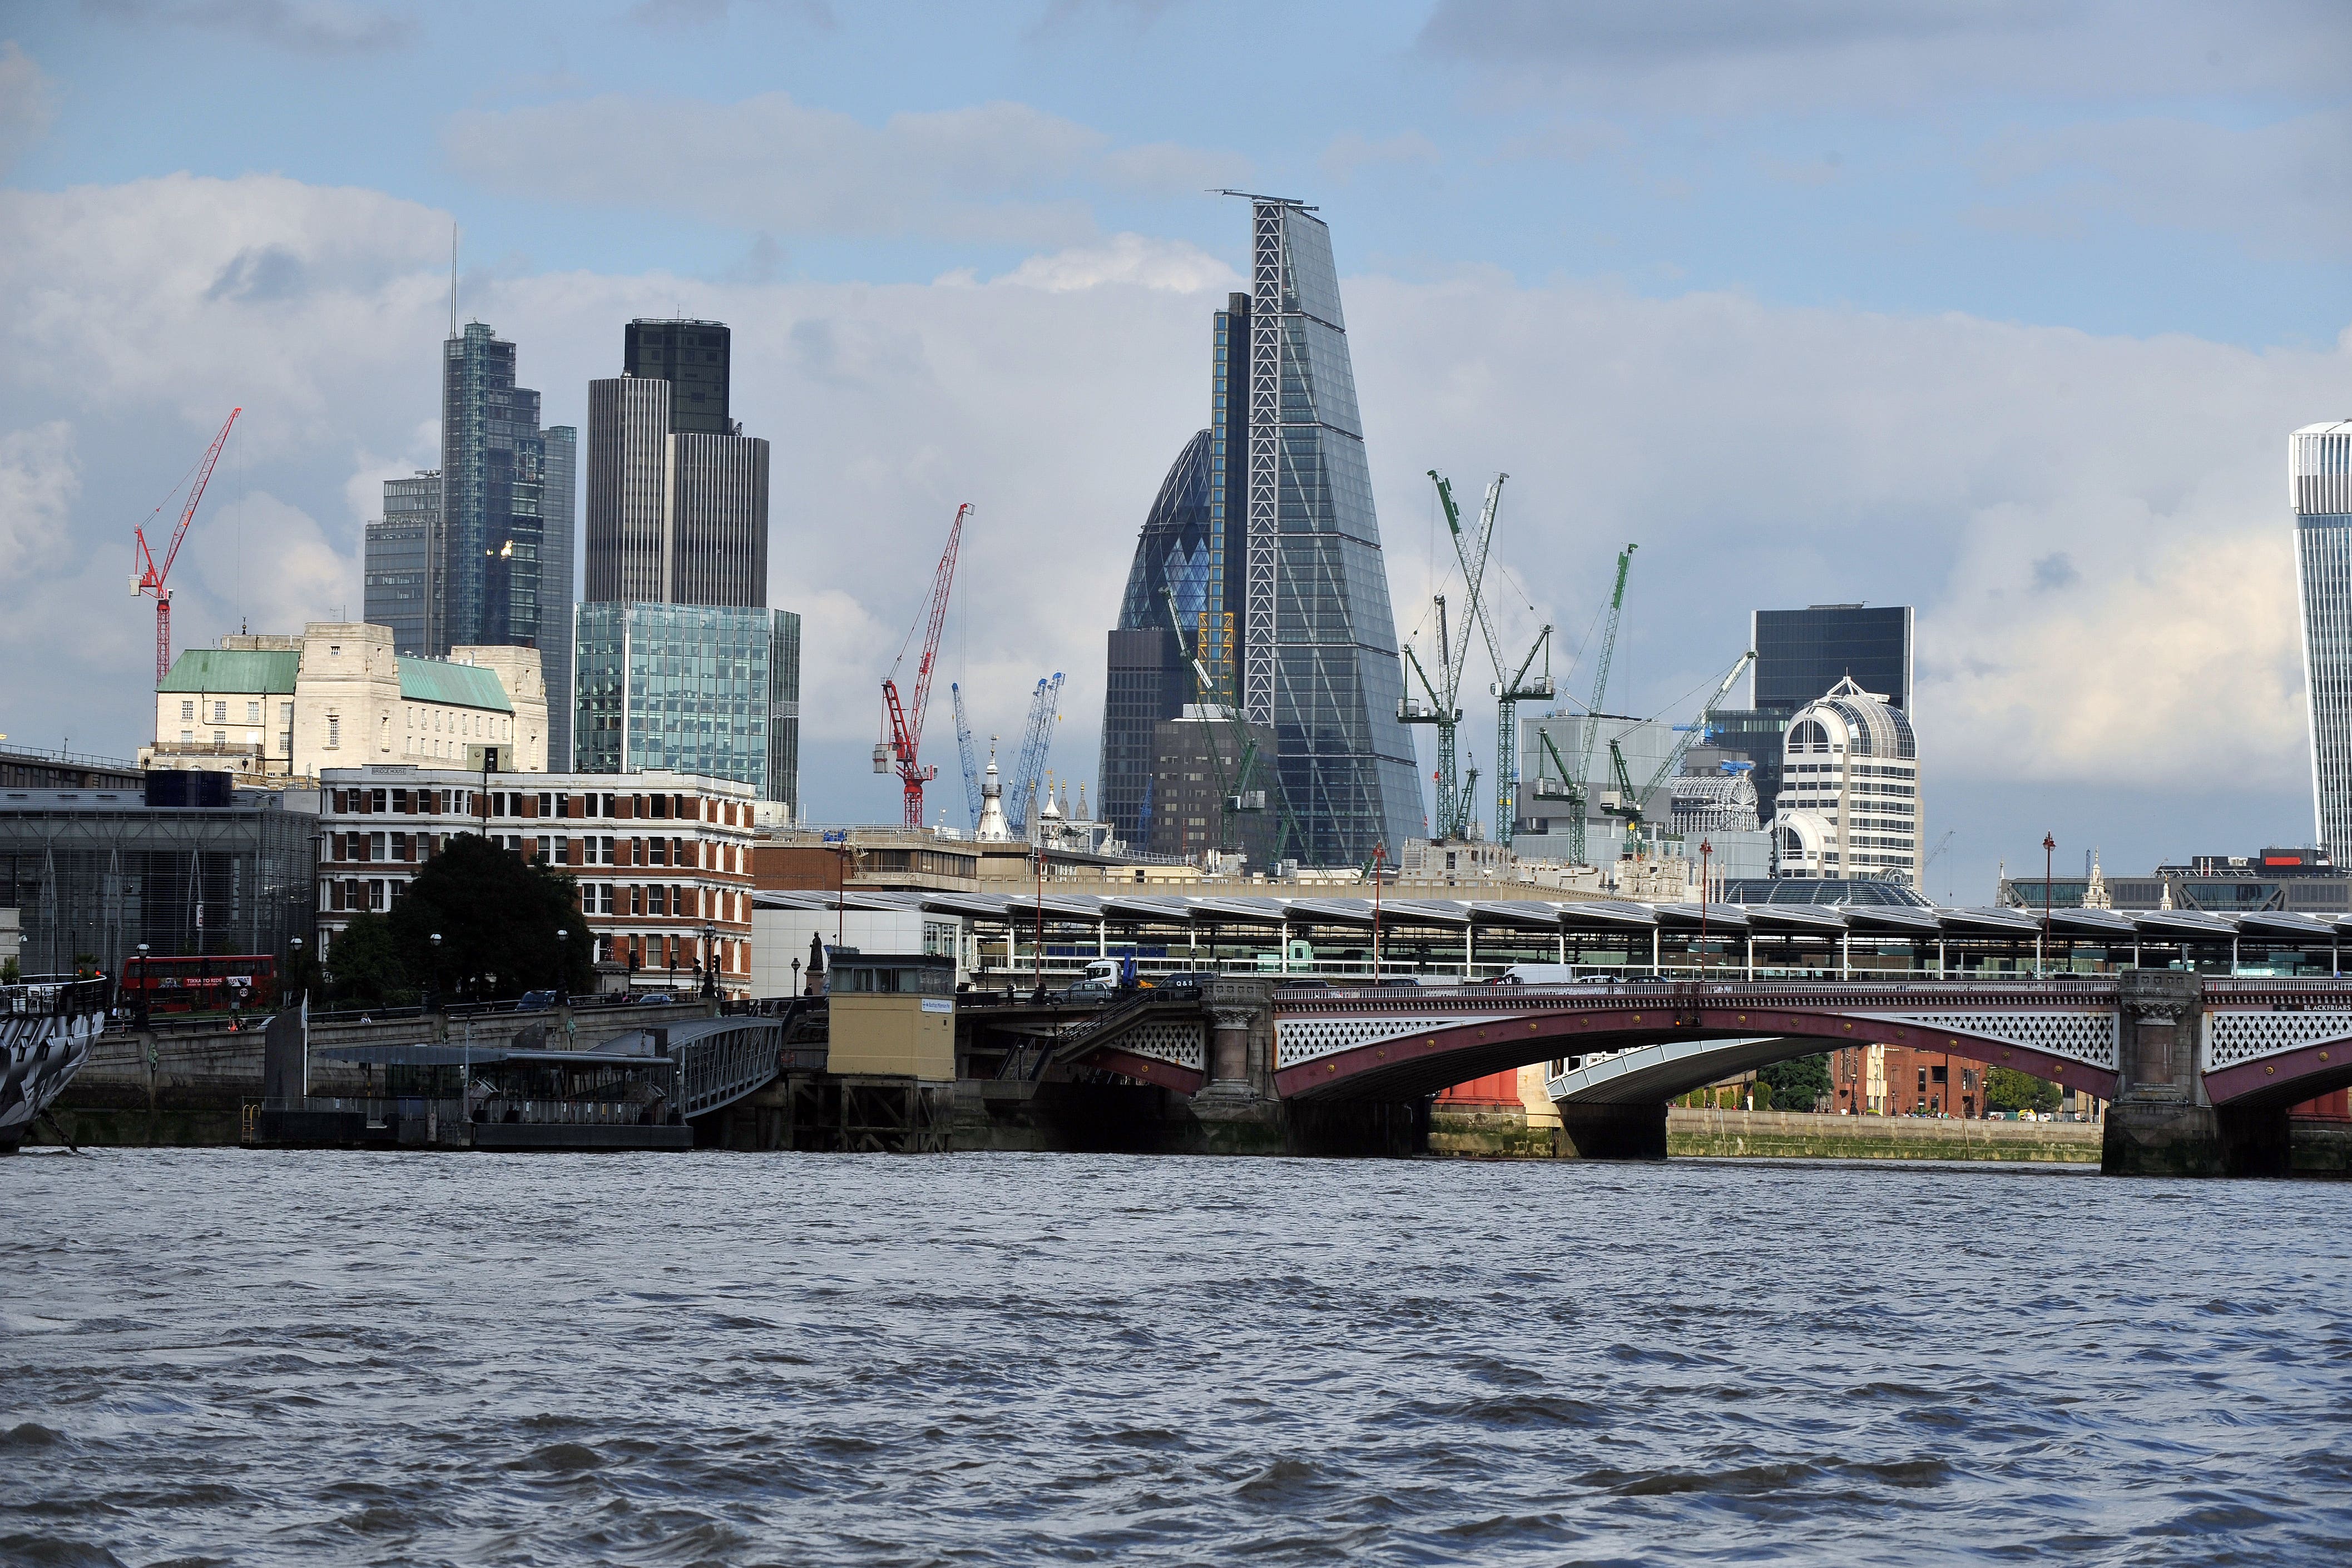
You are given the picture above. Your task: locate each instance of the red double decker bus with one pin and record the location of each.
(211, 983)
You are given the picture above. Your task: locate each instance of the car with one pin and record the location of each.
(535, 1002)
(1399, 980)
(1304, 985)
(1181, 980)
(1090, 991)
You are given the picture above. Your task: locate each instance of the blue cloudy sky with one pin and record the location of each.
(2001, 310)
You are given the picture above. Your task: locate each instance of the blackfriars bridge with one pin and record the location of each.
(2199, 1071)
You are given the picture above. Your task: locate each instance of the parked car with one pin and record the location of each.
(1088, 992)
(535, 1002)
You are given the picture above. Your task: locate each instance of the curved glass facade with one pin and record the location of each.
(2319, 476)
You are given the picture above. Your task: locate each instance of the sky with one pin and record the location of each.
(2000, 310)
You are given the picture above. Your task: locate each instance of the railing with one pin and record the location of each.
(56, 995)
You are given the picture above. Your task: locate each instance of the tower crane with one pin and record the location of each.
(1576, 787)
(1508, 689)
(1036, 743)
(150, 579)
(901, 751)
(1454, 801)
(963, 752)
(1234, 794)
(1633, 804)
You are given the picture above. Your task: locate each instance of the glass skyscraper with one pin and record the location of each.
(1802, 654)
(1265, 530)
(2319, 485)
(695, 688)
(401, 564)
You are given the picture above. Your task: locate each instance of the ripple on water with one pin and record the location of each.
(1002, 1360)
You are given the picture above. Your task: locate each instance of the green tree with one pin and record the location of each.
(497, 915)
(1794, 1085)
(365, 962)
(2006, 1089)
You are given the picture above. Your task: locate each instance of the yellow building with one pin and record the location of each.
(891, 1017)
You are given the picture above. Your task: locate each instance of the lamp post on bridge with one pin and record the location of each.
(2042, 947)
(1380, 855)
(1705, 889)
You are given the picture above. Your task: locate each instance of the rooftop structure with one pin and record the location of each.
(1849, 804)
(274, 709)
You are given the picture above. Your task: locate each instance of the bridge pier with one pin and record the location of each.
(1600, 1131)
(2160, 1122)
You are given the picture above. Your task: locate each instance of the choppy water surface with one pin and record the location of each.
(215, 1356)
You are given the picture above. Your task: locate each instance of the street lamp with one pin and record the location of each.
(295, 964)
(562, 966)
(1706, 891)
(138, 993)
(2041, 954)
(710, 959)
(436, 971)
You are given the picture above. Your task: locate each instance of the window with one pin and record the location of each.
(334, 731)
(1922, 1081)
(220, 713)
(220, 737)
(187, 738)
(253, 713)
(187, 710)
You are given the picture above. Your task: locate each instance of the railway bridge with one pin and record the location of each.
(2200, 1070)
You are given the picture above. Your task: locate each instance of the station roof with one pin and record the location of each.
(1882, 921)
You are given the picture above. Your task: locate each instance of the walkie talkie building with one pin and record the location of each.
(2319, 484)
(1283, 585)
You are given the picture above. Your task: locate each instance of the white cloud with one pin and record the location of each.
(1129, 259)
(28, 104)
(38, 481)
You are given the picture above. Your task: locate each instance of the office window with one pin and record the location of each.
(188, 736)
(253, 713)
(334, 731)
(187, 710)
(220, 713)
(220, 737)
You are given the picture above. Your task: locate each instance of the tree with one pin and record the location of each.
(2006, 1089)
(1796, 1085)
(365, 963)
(497, 915)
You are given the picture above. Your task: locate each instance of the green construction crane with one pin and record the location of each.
(1509, 690)
(1235, 795)
(1508, 695)
(1440, 712)
(1594, 709)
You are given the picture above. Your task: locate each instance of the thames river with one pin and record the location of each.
(226, 1357)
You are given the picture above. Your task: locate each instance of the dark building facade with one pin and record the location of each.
(499, 582)
(1196, 761)
(403, 563)
(1270, 542)
(677, 494)
(1147, 678)
(1802, 654)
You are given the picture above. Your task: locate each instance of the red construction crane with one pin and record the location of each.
(150, 577)
(902, 752)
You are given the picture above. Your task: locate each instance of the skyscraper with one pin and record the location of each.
(498, 572)
(1802, 654)
(677, 494)
(1270, 540)
(1148, 679)
(401, 564)
(681, 664)
(2319, 487)
(559, 505)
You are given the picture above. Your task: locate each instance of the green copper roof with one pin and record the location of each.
(232, 670)
(461, 686)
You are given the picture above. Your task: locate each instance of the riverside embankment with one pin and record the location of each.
(1794, 1135)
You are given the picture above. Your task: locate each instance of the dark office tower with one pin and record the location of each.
(1802, 654)
(559, 505)
(402, 563)
(692, 357)
(494, 462)
(1799, 655)
(678, 496)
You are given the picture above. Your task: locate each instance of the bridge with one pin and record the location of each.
(2200, 1070)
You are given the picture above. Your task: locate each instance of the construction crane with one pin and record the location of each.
(1035, 743)
(1576, 787)
(149, 578)
(963, 751)
(1234, 794)
(1455, 802)
(1634, 804)
(901, 752)
(1509, 690)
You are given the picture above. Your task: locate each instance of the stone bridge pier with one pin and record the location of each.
(2163, 1121)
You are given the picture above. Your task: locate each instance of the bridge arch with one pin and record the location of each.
(1360, 1046)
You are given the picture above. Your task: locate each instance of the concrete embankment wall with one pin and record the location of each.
(1792, 1134)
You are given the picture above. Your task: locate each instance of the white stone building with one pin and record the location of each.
(273, 709)
(1849, 803)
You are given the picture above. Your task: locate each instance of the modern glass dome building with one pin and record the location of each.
(1849, 803)
(2319, 482)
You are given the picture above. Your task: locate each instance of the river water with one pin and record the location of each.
(229, 1356)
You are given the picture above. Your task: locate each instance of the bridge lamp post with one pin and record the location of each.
(1706, 891)
(2042, 948)
(1379, 854)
